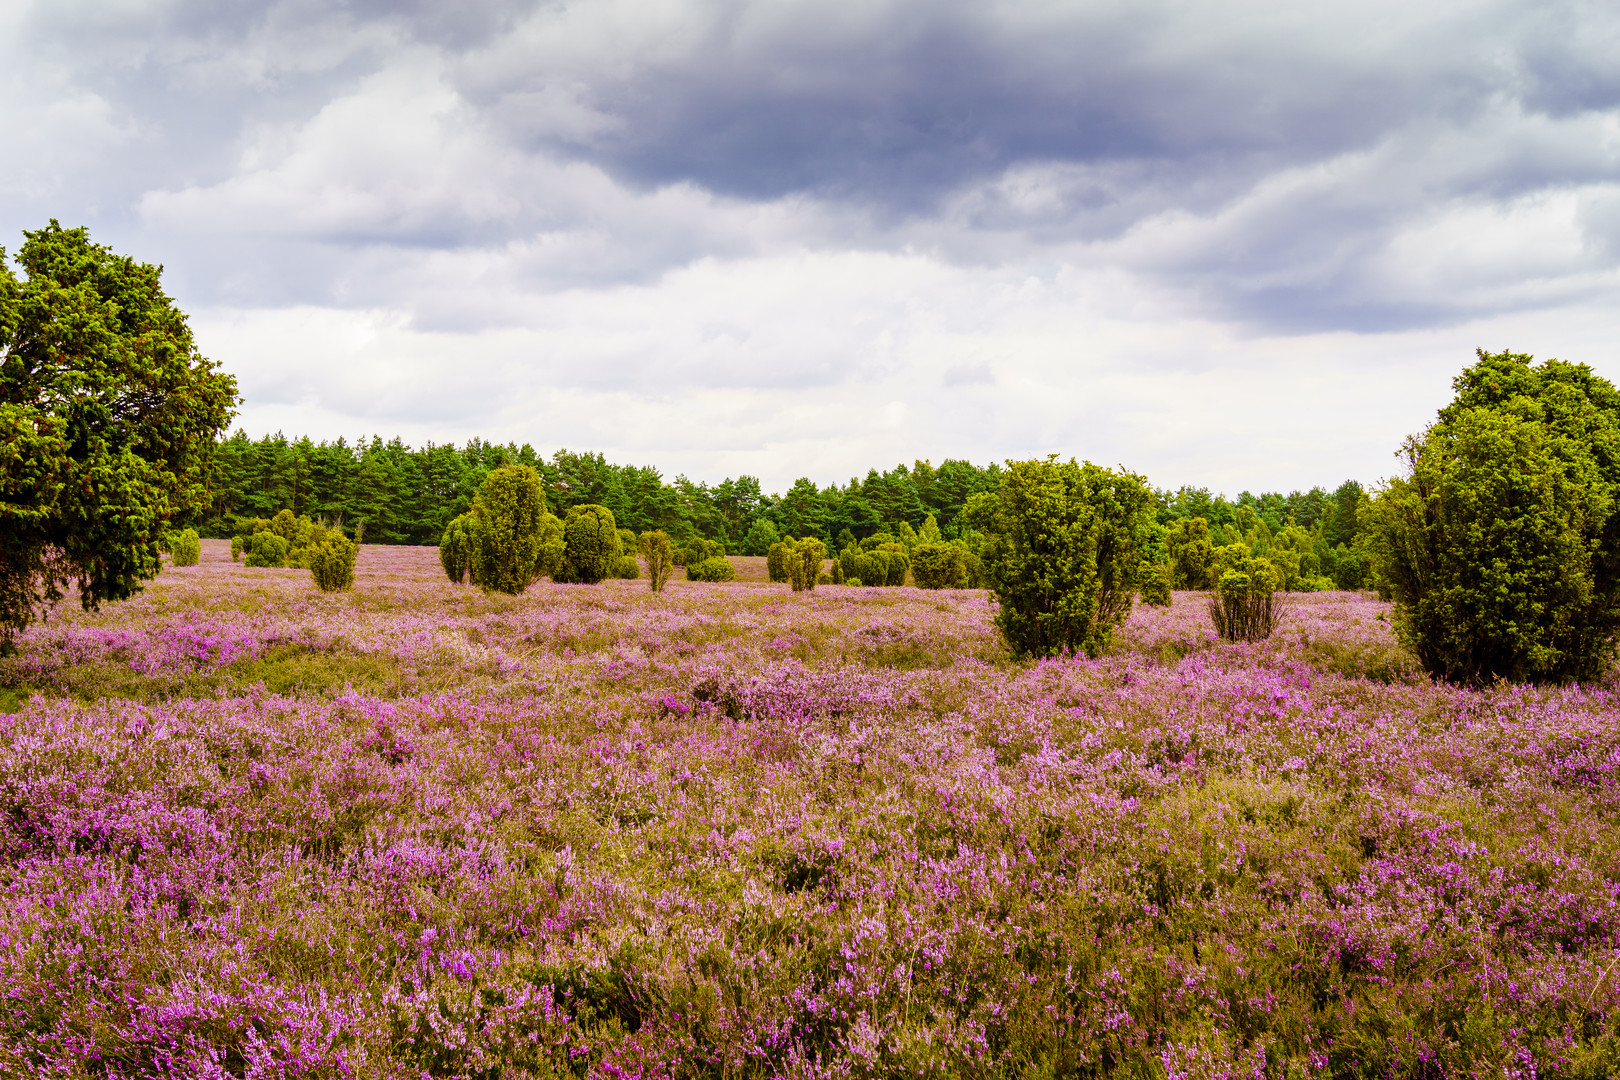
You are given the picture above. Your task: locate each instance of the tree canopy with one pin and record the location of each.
(1502, 547)
(108, 419)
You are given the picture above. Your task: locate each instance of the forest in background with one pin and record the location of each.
(396, 494)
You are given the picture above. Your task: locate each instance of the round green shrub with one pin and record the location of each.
(185, 547)
(552, 547)
(331, 562)
(236, 549)
(590, 545)
(628, 567)
(718, 568)
(1062, 548)
(938, 566)
(1153, 583)
(506, 529)
(455, 548)
(265, 549)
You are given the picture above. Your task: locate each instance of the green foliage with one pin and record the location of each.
(971, 558)
(236, 549)
(1501, 549)
(266, 549)
(1062, 552)
(929, 533)
(659, 556)
(717, 568)
(759, 538)
(939, 566)
(1153, 583)
(1244, 607)
(107, 417)
(776, 560)
(553, 547)
(1349, 568)
(591, 545)
(898, 563)
(455, 548)
(1192, 554)
(331, 562)
(185, 548)
(627, 567)
(804, 564)
(698, 549)
(505, 529)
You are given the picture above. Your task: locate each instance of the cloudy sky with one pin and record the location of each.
(1235, 244)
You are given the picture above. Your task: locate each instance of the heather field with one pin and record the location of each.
(255, 830)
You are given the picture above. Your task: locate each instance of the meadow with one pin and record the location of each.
(255, 830)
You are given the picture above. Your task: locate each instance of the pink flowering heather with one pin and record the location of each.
(255, 830)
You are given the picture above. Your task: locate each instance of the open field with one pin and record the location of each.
(255, 830)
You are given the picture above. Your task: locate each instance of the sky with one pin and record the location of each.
(1235, 245)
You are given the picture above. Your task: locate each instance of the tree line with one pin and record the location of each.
(393, 493)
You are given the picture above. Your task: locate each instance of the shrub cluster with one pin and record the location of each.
(883, 564)
(718, 568)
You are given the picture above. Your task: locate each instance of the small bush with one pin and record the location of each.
(331, 562)
(1153, 584)
(938, 566)
(1244, 607)
(236, 549)
(804, 564)
(776, 560)
(698, 549)
(590, 545)
(660, 557)
(505, 529)
(553, 547)
(185, 547)
(455, 548)
(1063, 544)
(897, 563)
(718, 568)
(265, 549)
(628, 568)
(1349, 569)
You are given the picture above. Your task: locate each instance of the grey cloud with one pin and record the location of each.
(1172, 140)
(968, 375)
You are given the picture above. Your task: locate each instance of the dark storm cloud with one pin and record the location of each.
(900, 108)
(1176, 141)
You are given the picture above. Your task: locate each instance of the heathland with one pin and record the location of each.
(254, 829)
